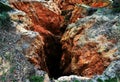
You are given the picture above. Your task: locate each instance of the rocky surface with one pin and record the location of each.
(31, 43)
(91, 44)
(13, 64)
(18, 45)
(48, 26)
(41, 19)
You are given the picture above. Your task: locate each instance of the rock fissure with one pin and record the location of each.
(46, 56)
(77, 51)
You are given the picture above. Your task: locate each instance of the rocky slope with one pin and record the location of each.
(36, 41)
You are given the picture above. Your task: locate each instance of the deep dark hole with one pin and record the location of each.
(53, 50)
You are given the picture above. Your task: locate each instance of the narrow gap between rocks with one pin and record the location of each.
(53, 51)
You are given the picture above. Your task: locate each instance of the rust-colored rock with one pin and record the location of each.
(92, 3)
(86, 49)
(86, 61)
(45, 51)
(41, 16)
(76, 12)
(82, 55)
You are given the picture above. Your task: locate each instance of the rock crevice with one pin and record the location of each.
(86, 48)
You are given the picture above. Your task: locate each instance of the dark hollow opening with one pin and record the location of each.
(53, 52)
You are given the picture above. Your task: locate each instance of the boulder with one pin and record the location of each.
(91, 44)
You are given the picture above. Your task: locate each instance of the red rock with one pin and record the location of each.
(47, 23)
(80, 54)
(41, 16)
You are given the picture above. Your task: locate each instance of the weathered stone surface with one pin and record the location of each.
(111, 72)
(72, 11)
(53, 6)
(13, 64)
(18, 44)
(42, 18)
(73, 78)
(45, 49)
(30, 43)
(90, 45)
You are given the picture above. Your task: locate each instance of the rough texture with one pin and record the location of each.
(42, 21)
(17, 46)
(46, 49)
(111, 72)
(53, 6)
(90, 45)
(72, 12)
(30, 43)
(13, 64)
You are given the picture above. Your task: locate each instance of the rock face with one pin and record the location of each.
(88, 48)
(30, 43)
(13, 64)
(39, 47)
(90, 45)
(46, 20)
(72, 12)
(46, 48)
